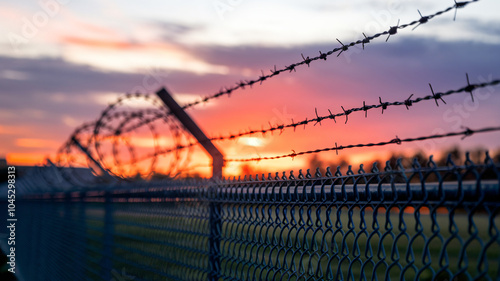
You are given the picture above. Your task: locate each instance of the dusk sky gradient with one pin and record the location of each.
(62, 62)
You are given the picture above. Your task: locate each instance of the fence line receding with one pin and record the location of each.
(397, 223)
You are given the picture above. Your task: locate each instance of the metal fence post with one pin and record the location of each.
(67, 229)
(100, 169)
(106, 263)
(217, 164)
(215, 236)
(81, 228)
(190, 125)
(45, 230)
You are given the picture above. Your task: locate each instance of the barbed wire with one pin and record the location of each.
(292, 67)
(345, 112)
(126, 117)
(275, 72)
(323, 56)
(465, 133)
(115, 124)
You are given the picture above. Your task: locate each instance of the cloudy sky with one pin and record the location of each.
(62, 62)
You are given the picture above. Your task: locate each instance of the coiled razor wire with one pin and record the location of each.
(110, 146)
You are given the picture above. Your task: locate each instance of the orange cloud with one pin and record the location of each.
(117, 44)
(25, 159)
(98, 43)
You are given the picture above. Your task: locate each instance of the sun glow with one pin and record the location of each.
(252, 141)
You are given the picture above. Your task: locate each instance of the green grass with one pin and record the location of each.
(257, 240)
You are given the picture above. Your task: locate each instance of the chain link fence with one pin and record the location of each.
(397, 223)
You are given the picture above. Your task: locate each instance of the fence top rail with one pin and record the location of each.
(468, 191)
(466, 179)
(469, 183)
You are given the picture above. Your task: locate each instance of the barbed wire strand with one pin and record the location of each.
(346, 112)
(465, 133)
(323, 56)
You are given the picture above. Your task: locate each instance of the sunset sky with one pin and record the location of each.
(62, 62)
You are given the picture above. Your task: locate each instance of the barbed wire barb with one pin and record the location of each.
(459, 5)
(331, 116)
(393, 30)
(322, 56)
(383, 104)
(408, 102)
(306, 60)
(469, 87)
(317, 117)
(274, 72)
(467, 133)
(365, 41)
(436, 97)
(346, 113)
(343, 49)
(422, 20)
(263, 77)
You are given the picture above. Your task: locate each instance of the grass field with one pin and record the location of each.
(170, 241)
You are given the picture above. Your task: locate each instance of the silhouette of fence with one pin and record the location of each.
(413, 223)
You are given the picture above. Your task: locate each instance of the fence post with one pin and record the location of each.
(215, 235)
(217, 164)
(106, 262)
(190, 125)
(67, 230)
(82, 230)
(100, 170)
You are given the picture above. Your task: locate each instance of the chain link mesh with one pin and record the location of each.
(413, 223)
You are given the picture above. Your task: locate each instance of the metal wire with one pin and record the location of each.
(305, 61)
(113, 124)
(365, 108)
(469, 88)
(465, 133)
(110, 144)
(402, 223)
(323, 56)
